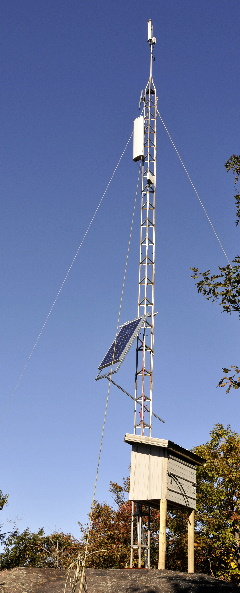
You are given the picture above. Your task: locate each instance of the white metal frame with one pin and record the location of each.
(145, 341)
(140, 538)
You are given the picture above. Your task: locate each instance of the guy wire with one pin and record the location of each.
(81, 564)
(194, 188)
(68, 272)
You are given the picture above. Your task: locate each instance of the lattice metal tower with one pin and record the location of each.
(145, 342)
(142, 328)
(145, 151)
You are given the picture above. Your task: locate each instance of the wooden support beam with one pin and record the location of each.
(162, 534)
(191, 541)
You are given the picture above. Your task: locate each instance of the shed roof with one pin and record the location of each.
(172, 447)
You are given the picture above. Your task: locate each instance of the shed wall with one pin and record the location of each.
(156, 474)
(148, 478)
(181, 484)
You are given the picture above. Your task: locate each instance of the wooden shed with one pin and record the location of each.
(160, 469)
(163, 475)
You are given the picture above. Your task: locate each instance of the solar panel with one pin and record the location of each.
(121, 345)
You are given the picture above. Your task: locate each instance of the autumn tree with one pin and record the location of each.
(39, 550)
(217, 525)
(233, 164)
(110, 532)
(109, 538)
(3, 501)
(224, 287)
(218, 516)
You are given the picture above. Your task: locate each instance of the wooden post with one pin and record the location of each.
(162, 534)
(191, 541)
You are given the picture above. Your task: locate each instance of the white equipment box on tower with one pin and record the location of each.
(138, 138)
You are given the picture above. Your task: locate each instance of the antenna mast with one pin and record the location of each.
(145, 151)
(145, 341)
(161, 473)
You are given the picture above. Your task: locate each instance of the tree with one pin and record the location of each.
(233, 164)
(110, 533)
(217, 541)
(230, 380)
(217, 550)
(39, 550)
(109, 537)
(217, 518)
(224, 287)
(3, 501)
(218, 515)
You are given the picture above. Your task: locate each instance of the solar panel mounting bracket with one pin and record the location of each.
(120, 346)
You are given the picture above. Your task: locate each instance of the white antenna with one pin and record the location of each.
(151, 40)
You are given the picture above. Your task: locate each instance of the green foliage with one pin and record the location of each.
(110, 534)
(3, 499)
(217, 518)
(232, 381)
(177, 543)
(223, 287)
(109, 538)
(233, 164)
(217, 550)
(217, 541)
(39, 550)
(218, 515)
(119, 492)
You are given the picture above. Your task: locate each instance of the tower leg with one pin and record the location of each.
(162, 534)
(132, 536)
(191, 541)
(149, 538)
(140, 536)
(139, 530)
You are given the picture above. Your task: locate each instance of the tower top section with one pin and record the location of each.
(151, 40)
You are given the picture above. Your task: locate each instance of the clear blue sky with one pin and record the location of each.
(71, 76)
